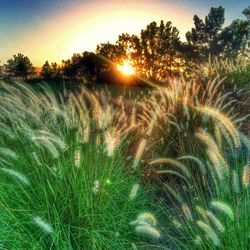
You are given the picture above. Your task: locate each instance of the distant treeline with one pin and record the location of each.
(157, 54)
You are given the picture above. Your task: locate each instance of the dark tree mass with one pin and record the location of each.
(157, 54)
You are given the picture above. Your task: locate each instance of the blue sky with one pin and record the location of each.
(54, 29)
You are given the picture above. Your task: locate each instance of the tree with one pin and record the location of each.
(159, 51)
(204, 35)
(19, 66)
(246, 12)
(51, 72)
(46, 72)
(233, 40)
(56, 71)
(92, 67)
(154, 54)
(86, 66)
(1, 71)
(68, 69)
(110, 55)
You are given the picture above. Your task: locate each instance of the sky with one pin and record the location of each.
(55, 29)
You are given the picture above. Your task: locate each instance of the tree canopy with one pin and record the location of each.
(156, 54)
(19, 66)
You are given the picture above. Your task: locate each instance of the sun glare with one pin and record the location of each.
(126, 68)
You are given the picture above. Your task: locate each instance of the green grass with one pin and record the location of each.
(87, 205)
(58, 189)
(167, 172)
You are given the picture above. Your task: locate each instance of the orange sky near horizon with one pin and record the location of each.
(77, 27)
(84, 26)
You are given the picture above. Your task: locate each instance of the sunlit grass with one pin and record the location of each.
(83, 171)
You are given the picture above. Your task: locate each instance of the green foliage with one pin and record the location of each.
(234, 39)
(46, 72)
(246, 12)
(19, 66)
(154, 54)
(86, 66)
(205, 33)
(157, 54)
(209, 38)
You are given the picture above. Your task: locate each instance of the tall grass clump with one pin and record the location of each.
(200, 162)
(210, 211)
(84, 170)
(63, 182)
(171, 116)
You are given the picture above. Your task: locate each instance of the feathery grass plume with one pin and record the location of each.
(77, 158)
(245, 140)
(36, 159)
(246, 176)
(86, 133)
(134, 191)
(98, 140)
(223, 207)
(139, 153)
(56, 171)
(16, 175)
(176, 125)
(151, 125)
(44, 226)
(6, 130)
(173, 163)
(203, 213)
(226, 136)
(51, 137)
(174, 193)
(186, 211)
(176, 223)
(220, 165)
(147, 218)
(224, 120)
(148, 230)
(8, 153)
(134, 247)
(195, 159)
(171, 172)
(133, 117)
(43, 142)
(198, 240)
(215, 221)
(185, 107)
(216, 164)
(218, 136)
(209, 232)
(153, 120)
(111, 142)
(96, 187)
(235, 182)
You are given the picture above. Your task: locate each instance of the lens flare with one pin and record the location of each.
(126, 68)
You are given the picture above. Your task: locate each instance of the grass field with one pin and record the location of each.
(167, 169)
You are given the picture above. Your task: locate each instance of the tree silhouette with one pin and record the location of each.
(1, 71)
(154, 55)
(204, 35)
(246, 12)
(46, 72)
(234, 39)
(19, 66)
(157, 54)
(159, 50)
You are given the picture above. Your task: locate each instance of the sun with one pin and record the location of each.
(126, 68)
